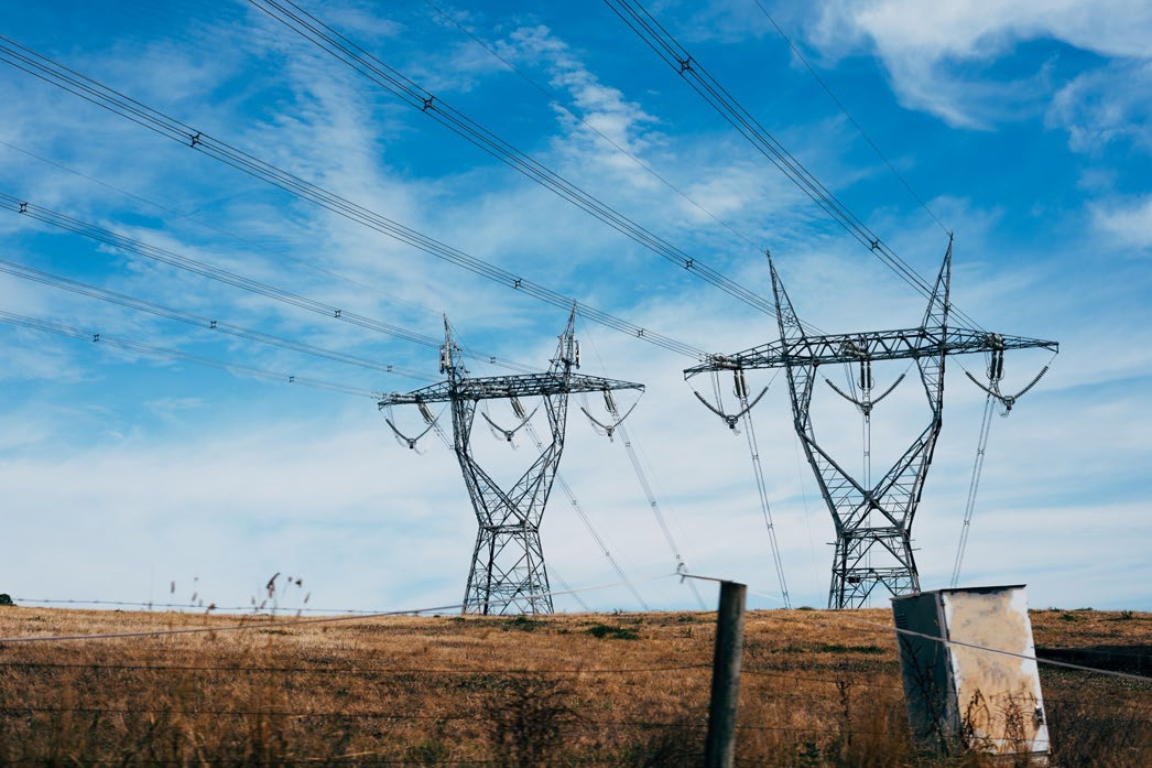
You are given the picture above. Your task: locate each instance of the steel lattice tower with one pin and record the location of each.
(508, 573)
(873, 520)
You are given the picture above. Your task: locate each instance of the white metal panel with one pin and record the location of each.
(998, 696)
(992, 700)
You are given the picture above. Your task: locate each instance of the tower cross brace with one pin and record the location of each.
(508, 573)
(872, 518)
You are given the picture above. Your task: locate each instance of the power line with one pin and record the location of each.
(603, 136)
(203, 322)
(571, 495)
(654, 506)
(974, 485)
(641, 477)
(351, 54)
(859, 128)
(172, 354)
(665, 46)
(220, 230)
(45, 69)
(165, 256)
(568, 588)
(83, 289)
(762, 491)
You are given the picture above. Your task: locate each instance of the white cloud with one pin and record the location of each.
(962, 30)
(929, 48)
(361, 21)
(168, 407)
(1106, 105)
(599, 115)
(1128, 224)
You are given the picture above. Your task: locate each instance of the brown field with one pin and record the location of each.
(819, 689)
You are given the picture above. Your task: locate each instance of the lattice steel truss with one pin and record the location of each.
(873, 520)
(508, 573)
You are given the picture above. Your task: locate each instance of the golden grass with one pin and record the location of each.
(819, 689)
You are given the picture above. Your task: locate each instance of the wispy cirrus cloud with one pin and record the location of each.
(935, 52)
(1109, 105)
(597, 116)
(1127, 223)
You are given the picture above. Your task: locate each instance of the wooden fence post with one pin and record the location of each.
(720, 746)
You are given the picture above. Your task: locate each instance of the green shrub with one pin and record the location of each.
(618, 633)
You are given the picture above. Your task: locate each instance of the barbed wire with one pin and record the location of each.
(443, 717)
(199, 606)
(311, 620)
(361, 672)
(854, 681)
(875, 626)
(845, 615)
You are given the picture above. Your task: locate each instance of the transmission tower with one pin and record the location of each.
(508, 574)
(873, 520)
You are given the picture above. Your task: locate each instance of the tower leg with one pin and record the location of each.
(870, 557)
(508, 574)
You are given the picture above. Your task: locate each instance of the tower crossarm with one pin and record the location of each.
(505, 387)
(905, 344)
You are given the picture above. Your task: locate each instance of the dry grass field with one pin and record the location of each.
(819, 689)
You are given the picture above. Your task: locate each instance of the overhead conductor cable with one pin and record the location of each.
(571, 496)
(653, 504)
(93, 232)
(859, 128)
(351, 54)
(637, 18)
(29, 61)
(761, 483)
(142, 305)
(172, 354)
(554, 101)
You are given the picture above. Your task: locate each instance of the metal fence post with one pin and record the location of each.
(720, 746)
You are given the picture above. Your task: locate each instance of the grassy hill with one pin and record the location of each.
(819, 689)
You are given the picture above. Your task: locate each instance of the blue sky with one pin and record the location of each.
(1024, 126)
